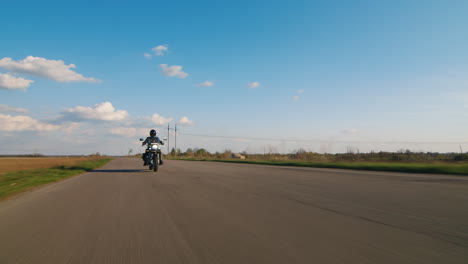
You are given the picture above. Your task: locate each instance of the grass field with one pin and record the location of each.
(434, 168)
(22, 178)
(8, 164)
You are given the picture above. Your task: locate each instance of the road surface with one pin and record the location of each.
(202, 212)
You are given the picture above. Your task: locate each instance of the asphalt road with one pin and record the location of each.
(202, 212)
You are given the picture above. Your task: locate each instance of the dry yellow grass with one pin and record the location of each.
(8, 164)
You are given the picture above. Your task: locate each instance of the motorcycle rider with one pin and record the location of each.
(152, 139)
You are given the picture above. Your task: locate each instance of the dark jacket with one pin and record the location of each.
(152, 140)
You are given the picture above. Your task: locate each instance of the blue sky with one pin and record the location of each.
(338, 73)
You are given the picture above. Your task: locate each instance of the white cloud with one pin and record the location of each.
(240, 140)
(206, 84)
(173, 71)
(185, 121)
(101, 112)
(296, 97)
(71, 127)
(55, 70)
(124, 131)
(350, 131)
(24, 123)
(160, 120)
(160, 50)
(130, 131)
(148, 56)
(10, 82)
(253, 85)
(6, 108)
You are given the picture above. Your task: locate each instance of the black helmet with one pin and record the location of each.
(153, 133)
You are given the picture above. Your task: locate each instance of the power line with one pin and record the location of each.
(325, 141)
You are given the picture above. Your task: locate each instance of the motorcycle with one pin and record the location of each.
(153, 158)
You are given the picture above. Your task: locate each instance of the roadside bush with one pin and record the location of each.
(461, 157)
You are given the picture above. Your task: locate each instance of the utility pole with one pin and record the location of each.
(168, 137)
(175, 141)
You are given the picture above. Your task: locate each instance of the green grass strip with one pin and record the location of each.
(18, 181)
(432, 168)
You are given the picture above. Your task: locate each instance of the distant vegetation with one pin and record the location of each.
(350, 156)
(401, 161)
